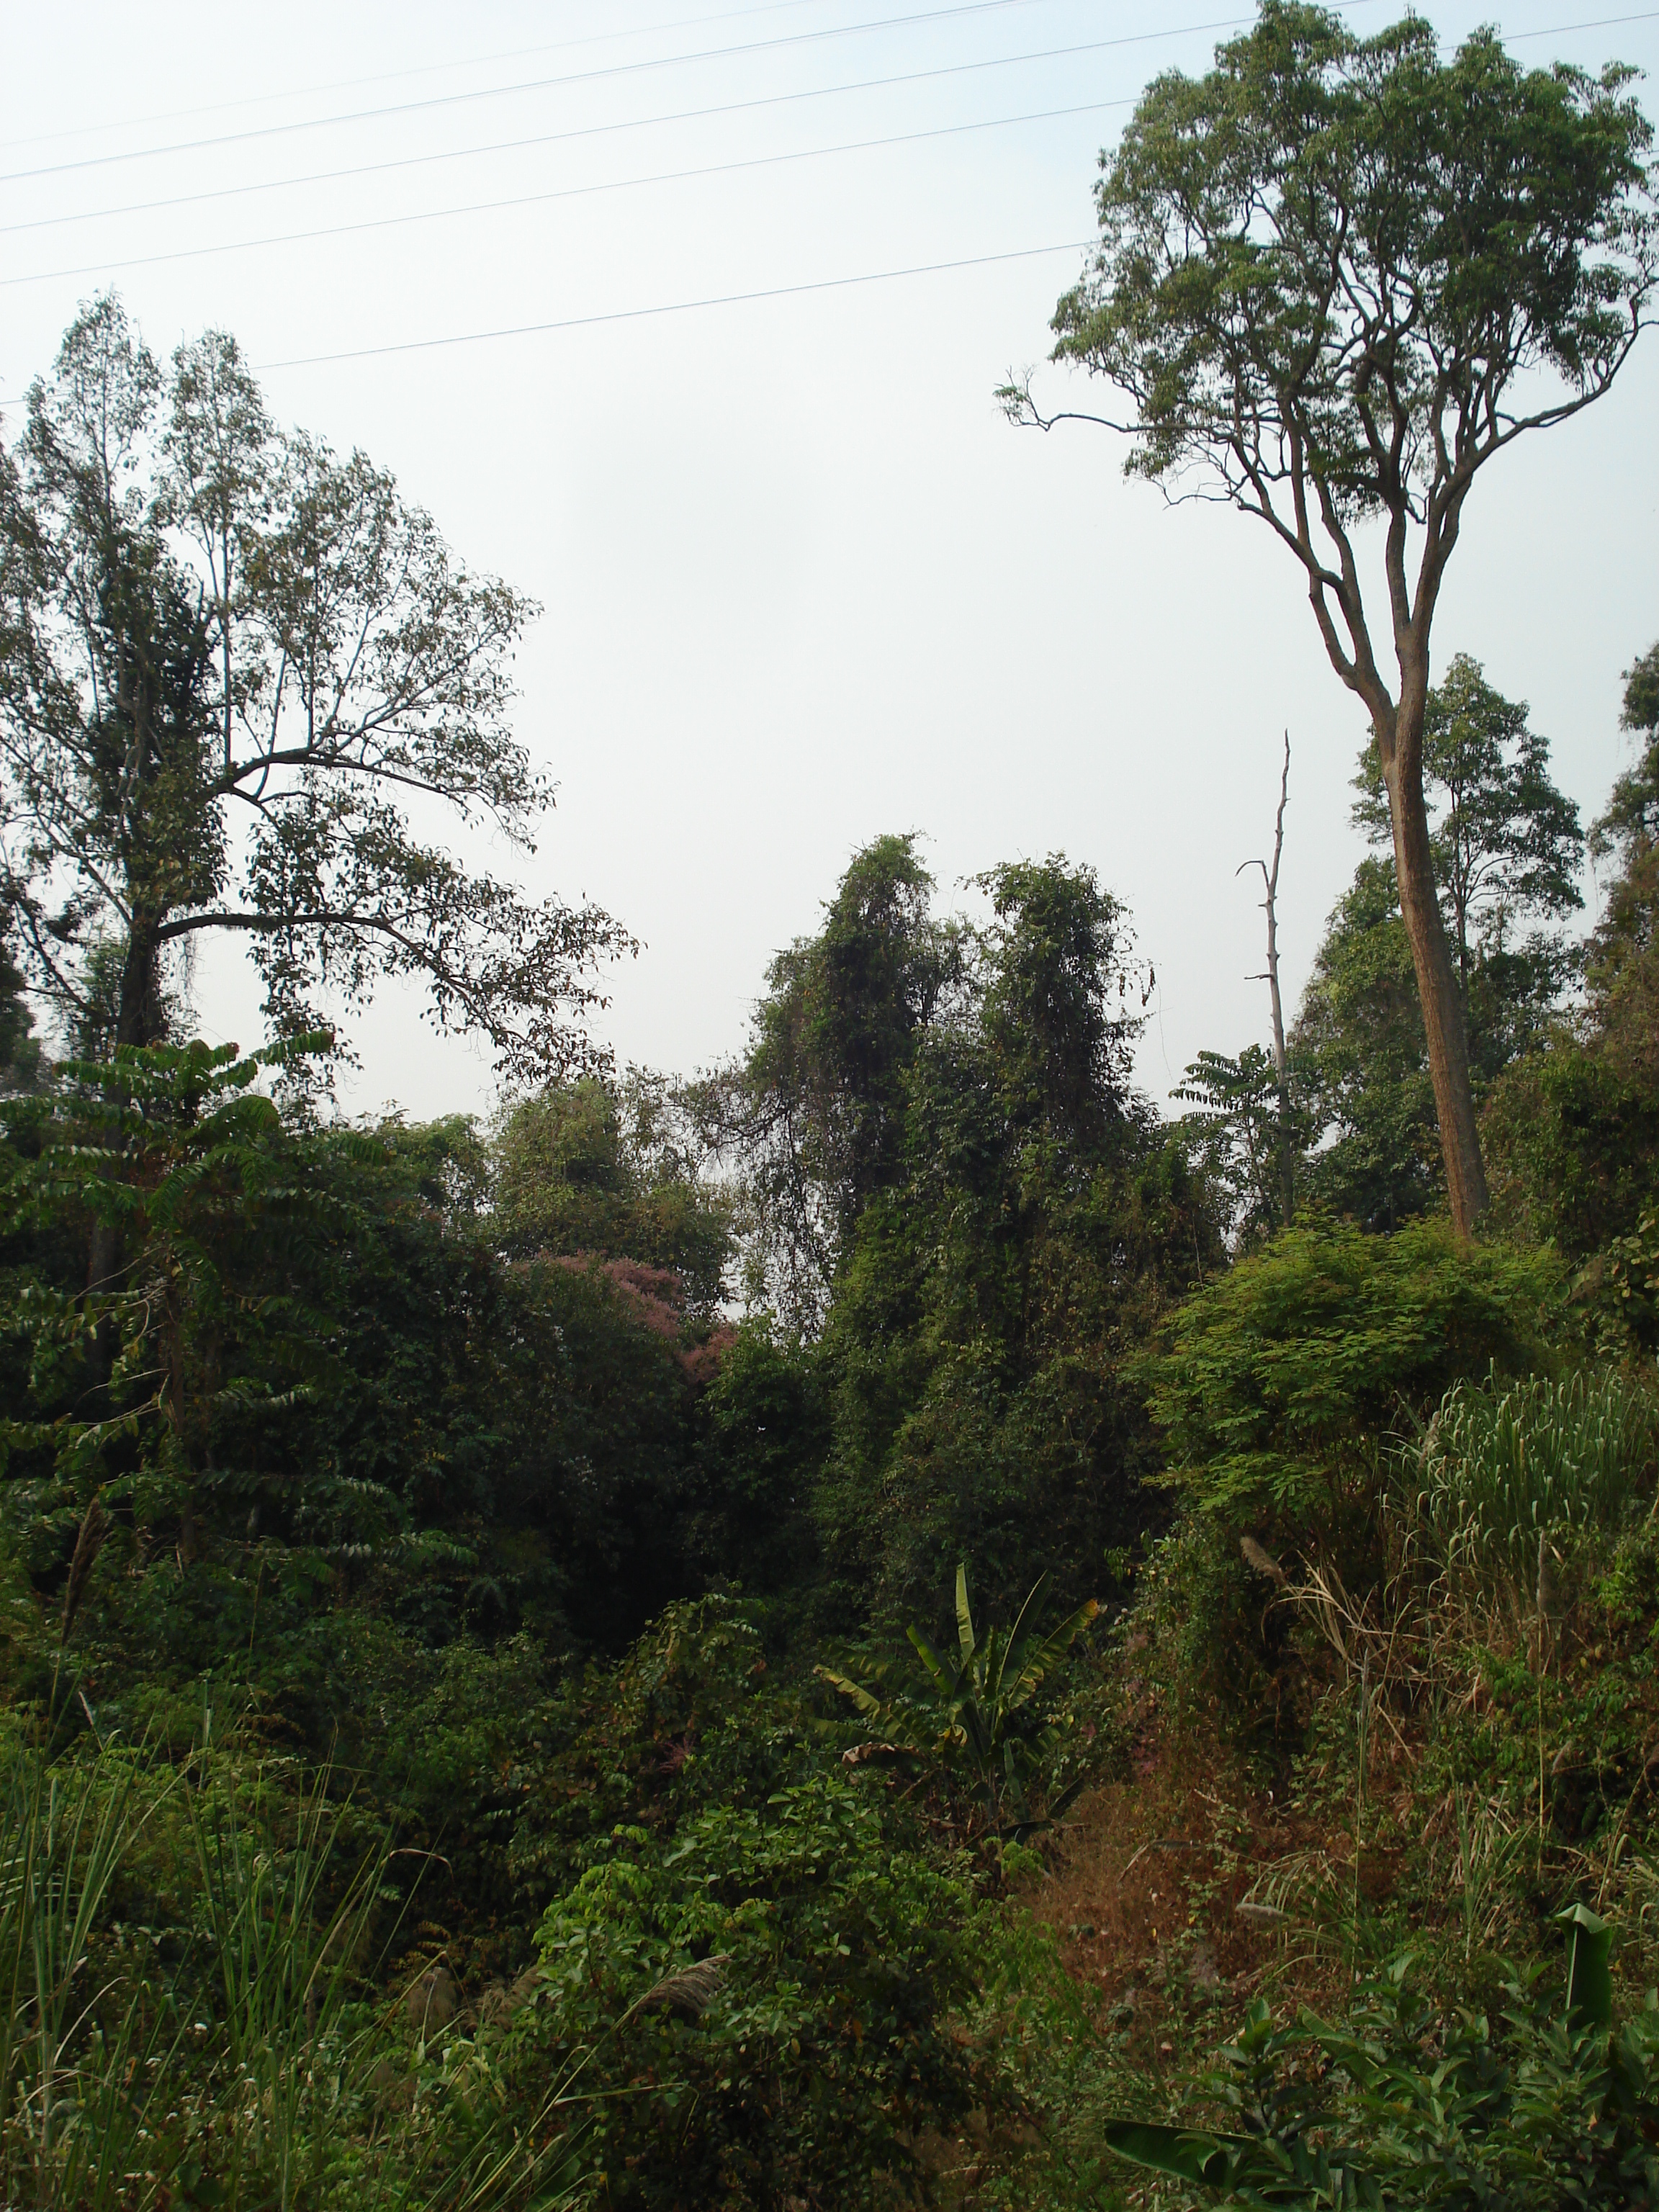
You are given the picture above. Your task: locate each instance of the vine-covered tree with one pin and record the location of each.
(1337, 278)
(812, 1118)
(1623, 987)
(991, 1295)
(238, 675)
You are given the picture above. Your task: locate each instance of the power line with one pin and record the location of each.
(395, 76)
(567, 192)
(636, 123)
(649, 122)
(669, 307)
(1600, 23)
(502, 91)
(523, 53)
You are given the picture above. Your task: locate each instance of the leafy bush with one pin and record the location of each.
(792, 2063)
(1410, 2102)
(1572, 1148)
(1279, 1376)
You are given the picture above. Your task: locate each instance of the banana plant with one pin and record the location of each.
(977, 1705)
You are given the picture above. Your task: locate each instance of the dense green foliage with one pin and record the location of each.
(492, 1712)
(206, 617)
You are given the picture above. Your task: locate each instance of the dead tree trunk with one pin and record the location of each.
(1284, 1147)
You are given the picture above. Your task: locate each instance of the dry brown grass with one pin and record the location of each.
(1144, 1881)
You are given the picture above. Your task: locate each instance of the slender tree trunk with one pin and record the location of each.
(1401, 745)
(1281, 1058)
(135, 1021)
(134, 1014)
(1284, 1150)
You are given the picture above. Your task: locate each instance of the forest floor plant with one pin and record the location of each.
(1446, 1758)
(194, 2009)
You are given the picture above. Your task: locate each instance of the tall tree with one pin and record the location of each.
(1337, 278)
(1039, 1227)
(1504, 839)
(1624, 955)
(811, 1117)
(236, 670)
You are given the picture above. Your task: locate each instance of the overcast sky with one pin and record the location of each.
(803, 583)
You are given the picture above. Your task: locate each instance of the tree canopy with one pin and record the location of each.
(812, 1116)
(1337, 276)
(1506, 842)
(240, 676)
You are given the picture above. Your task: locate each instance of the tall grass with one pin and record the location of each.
(1506, 1478)
(77, 2047)
(244, 2050)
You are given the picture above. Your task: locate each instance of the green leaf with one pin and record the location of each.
(1590, 1965)
(1187, 2152)
(864, 1700)
(965, 1619)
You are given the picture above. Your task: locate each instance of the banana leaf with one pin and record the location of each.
(1590, 1965)
(1187, 2153)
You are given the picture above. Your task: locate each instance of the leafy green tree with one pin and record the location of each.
(595, 1169)
(1327, 297)
(762, 1431)
(1247, 1118)
(1505, 841)
(1506, 847)
(974, 1349)
(1574, 1141)
(190, 1167)
(1362, 1064)
(1361, 1060)
(1623, 974)
(1574, 1129)
(812, 1116)
(325, 1392)
(235, 669)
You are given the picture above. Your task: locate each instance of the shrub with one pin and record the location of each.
(1409, 2102)
(808, 1967)
(1279, 1376)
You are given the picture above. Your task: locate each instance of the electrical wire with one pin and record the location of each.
(779, 291)
(672, 176)
(669, 307)
(959, 8)
(1600, 23)
(563, 192)
(396, 77)
(633, 122)
(513, 54)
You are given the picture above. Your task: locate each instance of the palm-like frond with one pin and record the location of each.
(1042, 1659)
(976, 1697)
(865, 1700)
(965, 1618)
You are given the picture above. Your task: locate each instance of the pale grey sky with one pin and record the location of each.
(803, 583)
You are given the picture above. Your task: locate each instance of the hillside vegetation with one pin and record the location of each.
(891, 1624)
